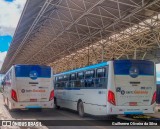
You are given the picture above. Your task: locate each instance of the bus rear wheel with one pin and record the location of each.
(55, 103)
(81, 109)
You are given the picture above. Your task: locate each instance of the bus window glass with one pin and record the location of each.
(101, 72)
(80, 75)
(57, 85)
(73, 76)
(65, 77)
(101, 78)
(72, 84)
(89, 74)
(68, 84)
(24, 71)
(89, 81)
(82, 81)
(78, 83)
(126, 67)
(60, 78)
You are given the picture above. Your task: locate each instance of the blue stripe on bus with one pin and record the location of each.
(33, 107)
(134, 113)
(85, 68)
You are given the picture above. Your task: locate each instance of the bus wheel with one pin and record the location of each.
(58, 107)
(55, 103)
(81, 109)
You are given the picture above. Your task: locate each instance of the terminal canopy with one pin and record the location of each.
(68, 34)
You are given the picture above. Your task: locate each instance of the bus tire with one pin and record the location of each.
(58, 107)
(81, 109)
(55, 103)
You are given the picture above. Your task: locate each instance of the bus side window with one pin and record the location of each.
(68, 84)
(60, 78)
(80, 75)
(73, 76)
(77, 83)
(89, 78)
(60, 83)
(57, 85)
(66, 78)
(80, 79)
(72, 80)
(101, 77)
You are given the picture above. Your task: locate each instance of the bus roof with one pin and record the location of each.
(94, 66)
(31, 65)
(84, 68)
(19, 65)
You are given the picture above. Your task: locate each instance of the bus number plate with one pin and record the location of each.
(33, 100)
(132, 103)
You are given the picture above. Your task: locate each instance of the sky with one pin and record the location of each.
(10, 12)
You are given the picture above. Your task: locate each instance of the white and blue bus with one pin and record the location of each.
(108, 88)
(28, 86)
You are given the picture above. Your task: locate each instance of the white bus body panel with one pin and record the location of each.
(94, 100)
(132, 94)
(26, 92)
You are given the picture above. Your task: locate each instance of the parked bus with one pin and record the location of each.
(28, 86)
(108, 88)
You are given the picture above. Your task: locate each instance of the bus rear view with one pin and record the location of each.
(30, 86)
(133, 87)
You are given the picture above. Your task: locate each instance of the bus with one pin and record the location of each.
(28, 86)
(108, 88)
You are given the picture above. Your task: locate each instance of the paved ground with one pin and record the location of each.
(54, 114)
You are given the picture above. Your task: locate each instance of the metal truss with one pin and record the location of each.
(68, 34)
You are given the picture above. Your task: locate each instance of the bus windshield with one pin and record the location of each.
(32, 71)
(131, 67)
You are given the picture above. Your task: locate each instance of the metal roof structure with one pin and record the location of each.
(68, 34)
